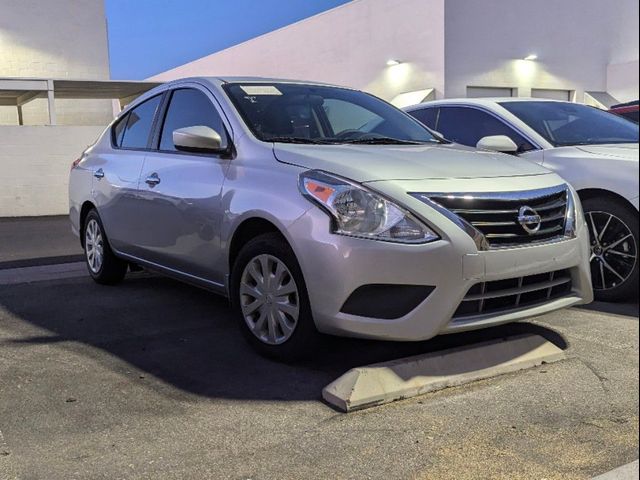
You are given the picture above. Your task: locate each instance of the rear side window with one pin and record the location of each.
(189, 108)
(426, 116)
(468, 126)
(138, 125)
(118, 130)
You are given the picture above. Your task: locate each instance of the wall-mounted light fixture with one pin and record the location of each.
(531, 57)
(392, 62)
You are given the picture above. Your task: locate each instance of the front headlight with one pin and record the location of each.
(359, 212)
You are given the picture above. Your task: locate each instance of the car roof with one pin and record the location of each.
(487, 102)
(221, 80)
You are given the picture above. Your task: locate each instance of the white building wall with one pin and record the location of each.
(575, 41)
(55, 39)
(35, 164)
(622, 73)
(348, 45)
(449, 45)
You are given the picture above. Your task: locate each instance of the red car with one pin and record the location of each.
(627, 110)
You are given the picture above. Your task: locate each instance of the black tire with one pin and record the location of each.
(112, 269)
(305, 337)
(598, 210)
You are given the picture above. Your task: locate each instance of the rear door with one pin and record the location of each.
(180, 193)
(116, 176)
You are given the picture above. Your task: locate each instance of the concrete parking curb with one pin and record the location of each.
(381, 383)
(626, 472)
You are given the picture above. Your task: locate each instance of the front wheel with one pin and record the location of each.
(270, 297)
(613, 231)
(104, 267)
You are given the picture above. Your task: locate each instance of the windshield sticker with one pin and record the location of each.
(260, 90)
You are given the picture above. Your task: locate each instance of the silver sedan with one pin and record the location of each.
(321, 209)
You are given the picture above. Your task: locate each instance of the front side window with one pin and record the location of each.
(189, 108)
(427, 116)
(468, 126)
(297, 113)
(139, 123)
(565, 124)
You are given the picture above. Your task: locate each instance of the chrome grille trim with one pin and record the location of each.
(492, 218)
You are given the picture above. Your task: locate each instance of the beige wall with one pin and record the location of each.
(35, 164)
(575, 40)
(55, 39)
(348, 45)
(459, 43)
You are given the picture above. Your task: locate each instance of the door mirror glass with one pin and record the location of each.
(198, 139)
(497, 143)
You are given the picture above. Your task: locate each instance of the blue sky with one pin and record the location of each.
(149, 36)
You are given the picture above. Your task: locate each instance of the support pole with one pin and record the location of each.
(51, 101)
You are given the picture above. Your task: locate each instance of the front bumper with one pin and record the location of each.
(335, 266)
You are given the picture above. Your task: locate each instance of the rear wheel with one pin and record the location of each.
(270, 297)
(104, 267)
(613, 230)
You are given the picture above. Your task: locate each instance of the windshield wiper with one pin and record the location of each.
(380, 141)
(300, 140)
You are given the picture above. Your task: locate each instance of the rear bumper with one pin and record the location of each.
(335, 266)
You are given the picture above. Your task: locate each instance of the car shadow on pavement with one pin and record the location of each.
(188, 338)
(629, 308)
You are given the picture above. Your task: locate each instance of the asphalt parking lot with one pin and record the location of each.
(151, 379)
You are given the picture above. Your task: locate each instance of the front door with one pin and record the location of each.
(180, 193)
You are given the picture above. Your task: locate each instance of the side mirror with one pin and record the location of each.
(198, 139)
(497, 143)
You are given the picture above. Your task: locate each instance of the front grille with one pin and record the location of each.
(497, 216)
(514, 293)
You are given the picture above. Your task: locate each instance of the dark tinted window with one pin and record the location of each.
(564, 124)
(468, 125)
(427, 116)
(633, 116)
(189, 108)
(139, 123)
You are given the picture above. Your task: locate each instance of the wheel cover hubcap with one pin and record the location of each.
(614, 252)
(94, 246)
(269, 299)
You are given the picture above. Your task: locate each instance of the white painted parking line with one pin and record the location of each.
(13, 276)
(626, 472)
(380, 383)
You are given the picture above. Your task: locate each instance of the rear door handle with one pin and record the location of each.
(98, 173)
(152, 180)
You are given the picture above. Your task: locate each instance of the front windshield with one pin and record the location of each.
(296, 113)
(565, 124)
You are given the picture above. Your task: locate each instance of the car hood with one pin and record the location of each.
(364, 163)
(626, 151)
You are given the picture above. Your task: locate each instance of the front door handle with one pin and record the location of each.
(98, 173)
(152, 180)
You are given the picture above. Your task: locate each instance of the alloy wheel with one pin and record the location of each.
(269, 299)
(94, 246)
(614, 252)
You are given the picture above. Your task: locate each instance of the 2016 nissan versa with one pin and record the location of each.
(324, 209)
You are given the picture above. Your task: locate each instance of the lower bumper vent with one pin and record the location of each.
(513, 294)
